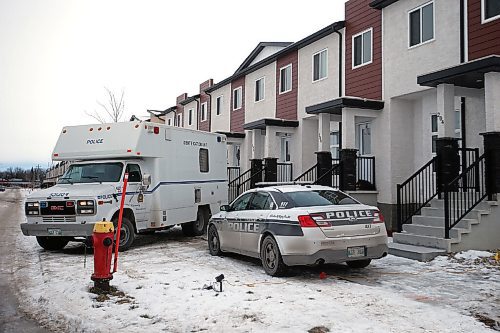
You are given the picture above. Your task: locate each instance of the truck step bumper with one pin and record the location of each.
(57, 229)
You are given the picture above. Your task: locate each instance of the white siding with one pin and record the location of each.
(265, 108)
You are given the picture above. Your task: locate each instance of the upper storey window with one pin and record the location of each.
(286, 79)
(490, 10)
(260, 89)
(237, 98)
(421, 24)
(320, 63)
(362, 48)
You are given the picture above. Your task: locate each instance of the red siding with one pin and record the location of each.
(484, 38)
(365, 81)
(180, 108)
(204, 98)
(238, 116)
(286, 104)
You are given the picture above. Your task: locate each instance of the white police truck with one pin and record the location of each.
(175, 176)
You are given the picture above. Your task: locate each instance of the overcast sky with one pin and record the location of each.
(56, 57)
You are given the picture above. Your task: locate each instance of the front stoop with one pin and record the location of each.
(424, 240)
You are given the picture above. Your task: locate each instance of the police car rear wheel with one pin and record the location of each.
(213, 241)
(52, 243)
(271, 258)
(359, 263)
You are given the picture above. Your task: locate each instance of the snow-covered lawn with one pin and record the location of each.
(160, 289)
(162, 281)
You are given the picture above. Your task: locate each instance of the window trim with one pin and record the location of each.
(179, 119)
(483, 14)
(218, 108)
(371, 48)
(190, 117)
(240, 88)
(291, 76)
(263, 79)
(204, 111)
(421, 25)
(312, 62)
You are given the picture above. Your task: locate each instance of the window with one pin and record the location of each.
(434, 131)
(190, 121)
(286, 79)
(362, 48)
(242, 202)
(490, 10)
(421, 24)
(134, 173)
(169, 122)
(259, 89)
(334, 144)
(203, 158)
(204, 111)
(179, 120)
(319, 198)
(261, 201)
(237, 98)
(218, 105)
(320, 63)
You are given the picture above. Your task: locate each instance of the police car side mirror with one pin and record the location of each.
(225, 208)
(146, 179)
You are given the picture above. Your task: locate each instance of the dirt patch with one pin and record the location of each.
(319, 329)
(490, 322)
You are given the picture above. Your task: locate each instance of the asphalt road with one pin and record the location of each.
(11, 318)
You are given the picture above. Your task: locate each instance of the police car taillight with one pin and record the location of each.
(378, 217)
(306, 221)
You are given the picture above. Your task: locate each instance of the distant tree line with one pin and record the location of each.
(27, 175)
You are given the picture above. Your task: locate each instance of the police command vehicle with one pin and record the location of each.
(176, 176)
(299, 225)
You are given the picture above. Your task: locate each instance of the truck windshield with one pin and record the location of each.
(92, 173)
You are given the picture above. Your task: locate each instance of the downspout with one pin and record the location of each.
(462, 31)
(340, 61)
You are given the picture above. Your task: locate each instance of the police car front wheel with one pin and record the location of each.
(214, 241)
(271, 257)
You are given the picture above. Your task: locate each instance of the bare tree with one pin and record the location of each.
(113, 108)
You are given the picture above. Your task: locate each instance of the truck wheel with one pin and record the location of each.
(52, 243)
(359, 263)
(271, 257)
(127, 234)
(198, 227)
(214, 241)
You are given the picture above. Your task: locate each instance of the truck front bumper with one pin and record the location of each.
(57, 229)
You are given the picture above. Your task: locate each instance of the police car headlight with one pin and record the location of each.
(85, 207)
(32, 208)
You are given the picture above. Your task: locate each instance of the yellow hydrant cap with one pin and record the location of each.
(103, 227)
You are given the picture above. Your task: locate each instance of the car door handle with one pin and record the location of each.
(260, 219)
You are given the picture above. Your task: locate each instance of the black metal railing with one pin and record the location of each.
(310, 175)
(469, 156)
(459, 198)
(365, 176)
(243, 183)
(284, 172)
(416, 192)
(334, 173)
(233, 172)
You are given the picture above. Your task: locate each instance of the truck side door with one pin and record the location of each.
(135, 197)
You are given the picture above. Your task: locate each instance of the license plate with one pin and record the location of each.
(356, 251)
(54, 232)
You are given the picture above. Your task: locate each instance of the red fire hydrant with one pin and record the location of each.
(102, 238)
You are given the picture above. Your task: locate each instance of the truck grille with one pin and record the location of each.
(57, 208)
(59, 219)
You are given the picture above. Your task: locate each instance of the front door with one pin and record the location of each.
(230, 230)
(135, 196)
(254, 218)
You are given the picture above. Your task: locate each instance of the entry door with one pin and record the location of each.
(255, 218)
(230, 230)
(285, 149)
(364, 139)
(136, 199)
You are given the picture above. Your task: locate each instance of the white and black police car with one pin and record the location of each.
(291, 225)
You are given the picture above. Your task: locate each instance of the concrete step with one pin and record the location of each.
(420, 253)
(436, 221)
(427, 241)
(473, 214)
(426, 230)
(439, 203)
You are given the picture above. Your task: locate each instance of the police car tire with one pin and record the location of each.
(269, 245)
(128, 226)
(214, 249)
(52, 243)
(359, 263)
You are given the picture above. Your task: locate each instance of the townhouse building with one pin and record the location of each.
(410, 87)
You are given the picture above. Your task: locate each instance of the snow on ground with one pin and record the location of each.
(161, 280)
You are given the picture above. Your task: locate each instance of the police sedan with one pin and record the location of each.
(299, 225)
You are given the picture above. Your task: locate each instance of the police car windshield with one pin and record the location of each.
(92, 173)
(319, 198)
